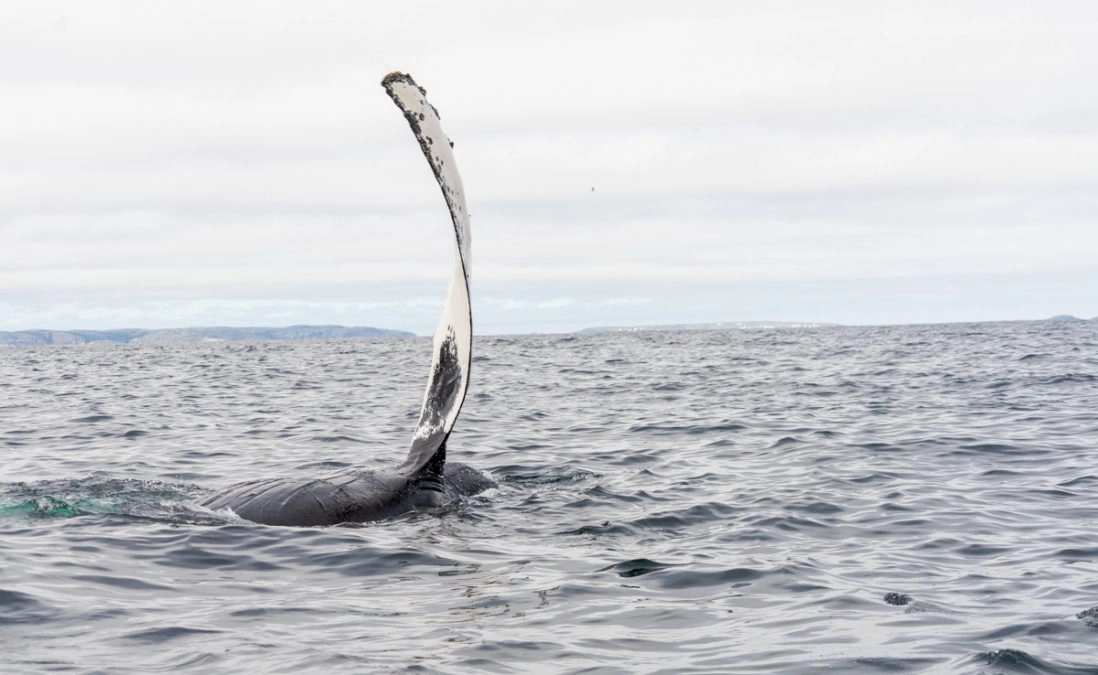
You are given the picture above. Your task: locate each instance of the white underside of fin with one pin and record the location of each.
(448, 380)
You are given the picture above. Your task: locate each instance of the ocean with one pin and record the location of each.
(852, 499)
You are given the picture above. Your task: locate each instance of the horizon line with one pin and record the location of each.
(716, 324)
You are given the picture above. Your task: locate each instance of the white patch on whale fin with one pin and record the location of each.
(453, 342)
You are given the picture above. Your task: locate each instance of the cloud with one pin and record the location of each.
(212, 157)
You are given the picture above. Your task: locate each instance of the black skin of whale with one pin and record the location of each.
(354, 496)
(425, 480)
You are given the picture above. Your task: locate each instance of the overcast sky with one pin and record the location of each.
(236, 163)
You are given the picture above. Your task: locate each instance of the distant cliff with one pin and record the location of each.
(30, 338)
(1068, 317)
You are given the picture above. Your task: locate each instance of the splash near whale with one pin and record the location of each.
(424, 479)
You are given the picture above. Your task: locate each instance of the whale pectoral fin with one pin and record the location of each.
(448, 380)
(429, 477)
(445, 391)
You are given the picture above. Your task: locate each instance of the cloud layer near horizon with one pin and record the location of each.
(237, 163)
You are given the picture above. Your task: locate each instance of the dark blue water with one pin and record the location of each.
(900, 499)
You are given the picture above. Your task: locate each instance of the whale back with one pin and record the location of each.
(448, 379)
(351, 496)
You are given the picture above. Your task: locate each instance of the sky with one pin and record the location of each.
(172, 164)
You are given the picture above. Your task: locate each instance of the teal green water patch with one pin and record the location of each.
(52, 507)
(92, 495)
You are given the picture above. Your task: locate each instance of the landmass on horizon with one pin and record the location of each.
(711, 325)
(1068, 317)
(31, 338)
(38, 337)
(757, 325)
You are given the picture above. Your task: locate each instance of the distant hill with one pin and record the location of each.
(31, 338)
(1064, 317)
(714, 325)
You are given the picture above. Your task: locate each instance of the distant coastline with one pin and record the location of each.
(711, 325)
(42, 337)
(1068, 317)
(33, 338)
(764, 325)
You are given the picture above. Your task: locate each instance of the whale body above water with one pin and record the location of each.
(425, 479)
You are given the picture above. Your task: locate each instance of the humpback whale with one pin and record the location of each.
(424, 479)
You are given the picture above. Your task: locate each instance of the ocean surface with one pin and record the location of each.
(859, 500)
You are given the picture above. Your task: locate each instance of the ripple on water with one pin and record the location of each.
(636, 567)
(17, 607)
(1016, 660)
